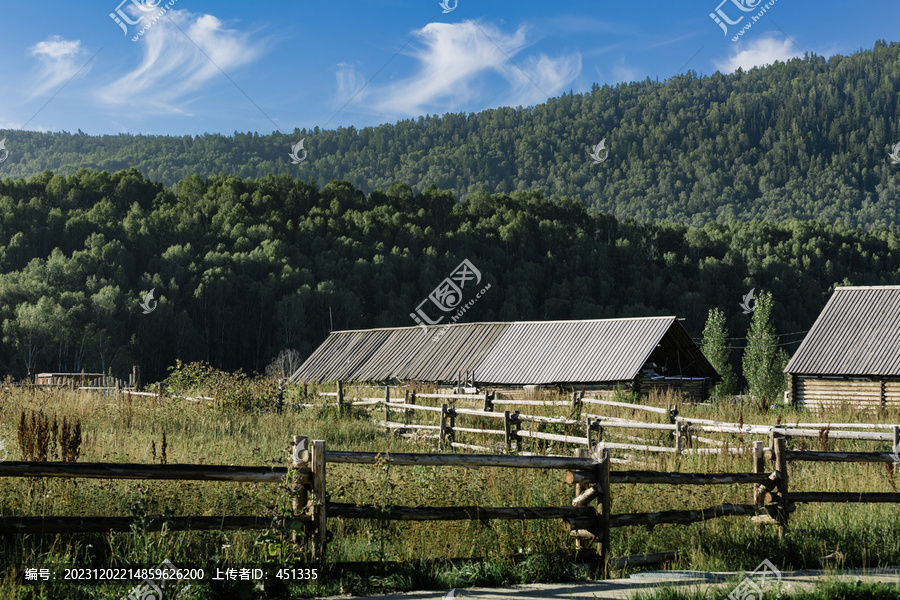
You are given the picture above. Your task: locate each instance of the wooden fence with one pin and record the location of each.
(686, 433)
(589, 519)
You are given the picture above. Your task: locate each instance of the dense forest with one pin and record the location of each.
(807, 139)
(244, 268)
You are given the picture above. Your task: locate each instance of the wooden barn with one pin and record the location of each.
(852, 353)
(638, 354)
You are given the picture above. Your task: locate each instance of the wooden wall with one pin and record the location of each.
(869, 393)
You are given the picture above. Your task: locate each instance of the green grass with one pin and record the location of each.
(414, 555)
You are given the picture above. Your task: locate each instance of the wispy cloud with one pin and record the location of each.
(60, 60)
(182, 53)
(455, 58)
(764, 51)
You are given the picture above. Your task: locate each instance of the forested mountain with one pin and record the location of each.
(806, 139)
(243, 268)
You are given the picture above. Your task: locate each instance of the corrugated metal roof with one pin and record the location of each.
(857, 333)
(521, 353)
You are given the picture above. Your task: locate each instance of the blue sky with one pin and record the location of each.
(224, 66)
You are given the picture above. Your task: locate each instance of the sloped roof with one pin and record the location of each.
(521, 353)
(857, 333)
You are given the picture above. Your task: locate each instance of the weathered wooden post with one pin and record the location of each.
(518, 425)
(279, 396)
(136, 377)
(582, 542)
(387, 402)
(340, 397)
(758, 496)
(603, 514)
(320, 536)
(299, 464)
(577, 401)
(488, 402)
(507, 429)
(159, 391)
(412, 400)
(679, 441)
(896, 448)
(443, 434)
(451, 432)
(781, 466)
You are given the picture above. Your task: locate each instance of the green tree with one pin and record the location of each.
(764, 361)
(715, 348)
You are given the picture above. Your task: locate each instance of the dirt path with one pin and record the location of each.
(625, 588)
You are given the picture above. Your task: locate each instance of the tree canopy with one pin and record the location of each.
(245, 268)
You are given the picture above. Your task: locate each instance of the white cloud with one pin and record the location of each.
(182, 52)
(60, 60)
(349, 81)
(453, 56)
(764, 51)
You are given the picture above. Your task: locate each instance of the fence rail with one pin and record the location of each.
(588, 520)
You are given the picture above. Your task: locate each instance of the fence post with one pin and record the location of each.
(759, 466)
(581, 543)
(781, 466)
(603, 514)
(488, 402)
(136, 377)
(443, 434)
(518, 426)
(299, 461)
(279, 405)
(340, 397)
(159, 391)
(896, 448)
(673, 413)
(679, 442)
(412, 400)
(387, 399)
(577, 401)
(320, 537)
(451, 434)
(506, 429)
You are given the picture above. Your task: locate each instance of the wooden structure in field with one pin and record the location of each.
(851, 355)
(637, 354)
(74, 379)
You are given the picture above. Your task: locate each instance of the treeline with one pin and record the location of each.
(245, 268)
(806, 139)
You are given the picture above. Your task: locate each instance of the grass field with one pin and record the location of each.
(414, 555)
